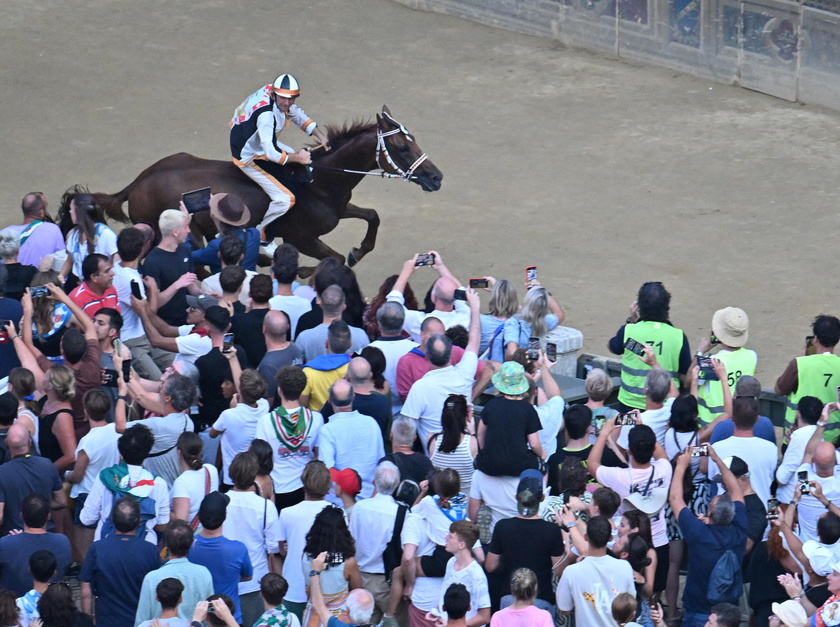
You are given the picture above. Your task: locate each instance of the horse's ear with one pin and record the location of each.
(386, 110)
(378, 120)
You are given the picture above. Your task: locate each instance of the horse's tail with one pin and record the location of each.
(112, 204)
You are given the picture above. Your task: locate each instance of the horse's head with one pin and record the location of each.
(398, 153)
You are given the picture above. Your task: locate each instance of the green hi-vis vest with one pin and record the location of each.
(739, 362)
(666, 342)
(819, 375)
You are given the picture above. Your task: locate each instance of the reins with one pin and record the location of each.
(382, 150)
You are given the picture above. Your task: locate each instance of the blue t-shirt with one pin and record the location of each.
(706, 543)
(15, 552)
(115, 568)
(228, 562)
(19, 478)
(763, 429)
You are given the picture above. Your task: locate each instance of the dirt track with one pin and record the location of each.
(602, 173)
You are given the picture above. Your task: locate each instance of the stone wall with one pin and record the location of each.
(784, 48)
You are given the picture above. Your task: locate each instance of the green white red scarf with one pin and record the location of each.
(291, 429)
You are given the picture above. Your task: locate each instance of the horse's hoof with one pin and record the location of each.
(351, 259)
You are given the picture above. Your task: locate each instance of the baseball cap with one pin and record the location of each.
(348, 480)
(737, 465)
(529, 492)
(202, 301)
(213, 510)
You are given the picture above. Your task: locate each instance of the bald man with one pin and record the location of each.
(25, 475)
(38, 235)
(279, 351)
(350, 439)
(366, 401)
(449, 311)
(313, 342)
(820, 471)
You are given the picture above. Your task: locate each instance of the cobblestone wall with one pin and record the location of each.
(789, 49)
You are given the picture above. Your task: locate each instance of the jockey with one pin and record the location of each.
(254, 129)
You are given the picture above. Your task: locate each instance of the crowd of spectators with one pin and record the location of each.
(249, 449)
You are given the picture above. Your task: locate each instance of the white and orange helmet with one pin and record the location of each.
(286, 86)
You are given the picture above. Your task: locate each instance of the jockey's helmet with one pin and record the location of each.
(286, 86)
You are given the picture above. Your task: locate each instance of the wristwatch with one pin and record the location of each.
(314, 573)
(698, 354)
(195, 623)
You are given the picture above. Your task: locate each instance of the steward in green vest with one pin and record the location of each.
(730, 329)
(648, 324)
(816, 373)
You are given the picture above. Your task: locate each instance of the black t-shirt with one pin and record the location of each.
(527, 543)
(20, 277)
(505, 451)
(416, 466)
(609, 458)
(247, 329)
(166, 268)
(213, 369)
(374, 405)
(756, 524)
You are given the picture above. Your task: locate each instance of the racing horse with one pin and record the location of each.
(320, 204)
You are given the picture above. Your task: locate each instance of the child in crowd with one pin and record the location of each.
(273, 588)
(168, 594)
(42, 565)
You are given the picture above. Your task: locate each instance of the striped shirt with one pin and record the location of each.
(90, 302)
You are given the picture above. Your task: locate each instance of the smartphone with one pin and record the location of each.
(424, 259)
(479, 283)
(530, 276)
(810, 349)
(197, 200)
(772, 509)
(228, 343)
(135, 290)
(707, 370)
(713, 339)
(109, 378)
(551, 351)
(4, 337)
(126, 369)
(804, 486)
(597, 423)
(700, 451)
(625, 420)
(460, 295)
(39, 292)
(635, 347)
(533, 352)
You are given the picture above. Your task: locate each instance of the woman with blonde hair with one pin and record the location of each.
(523, 589)
(57, 437)
(538, 315)
(504, 303)
(599, 386)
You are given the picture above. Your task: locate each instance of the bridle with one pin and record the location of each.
(382, 151)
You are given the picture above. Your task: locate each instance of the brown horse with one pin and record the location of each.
(319, 205)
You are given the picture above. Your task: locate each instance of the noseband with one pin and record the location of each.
(382, 150)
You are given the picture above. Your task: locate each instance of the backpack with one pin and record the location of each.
(725, 581)
(148, 510)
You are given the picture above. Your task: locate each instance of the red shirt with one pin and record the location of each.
(90, 302)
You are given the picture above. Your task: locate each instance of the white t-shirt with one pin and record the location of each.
(474, 579)
(414, 319)
(497, 493)
(100, 445)
(252, 520)
(191, 345)
(289, 464)
(190, 485)
(239, 427)
(166, 622)
(106, 244)
(212, 284)
(590, 586)
(425, 400)
(626, 481)
(427, 590)
(810, 509)
(294, 306)
(132, 327)
(291, 527)
(656, 419)
(393, 348)
(791, 461)
(166, 429)
(760, 455)
(551, 419)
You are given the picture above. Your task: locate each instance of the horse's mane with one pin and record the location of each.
(338, 136)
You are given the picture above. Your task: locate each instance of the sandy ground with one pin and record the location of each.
(602, 173)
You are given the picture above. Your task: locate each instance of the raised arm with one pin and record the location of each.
(475, 321)
(729, 480)
(676, 498)
(81, 317)
(593, 463)
(817, 436)
(405, 275)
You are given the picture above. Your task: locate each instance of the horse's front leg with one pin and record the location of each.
(372, 218)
